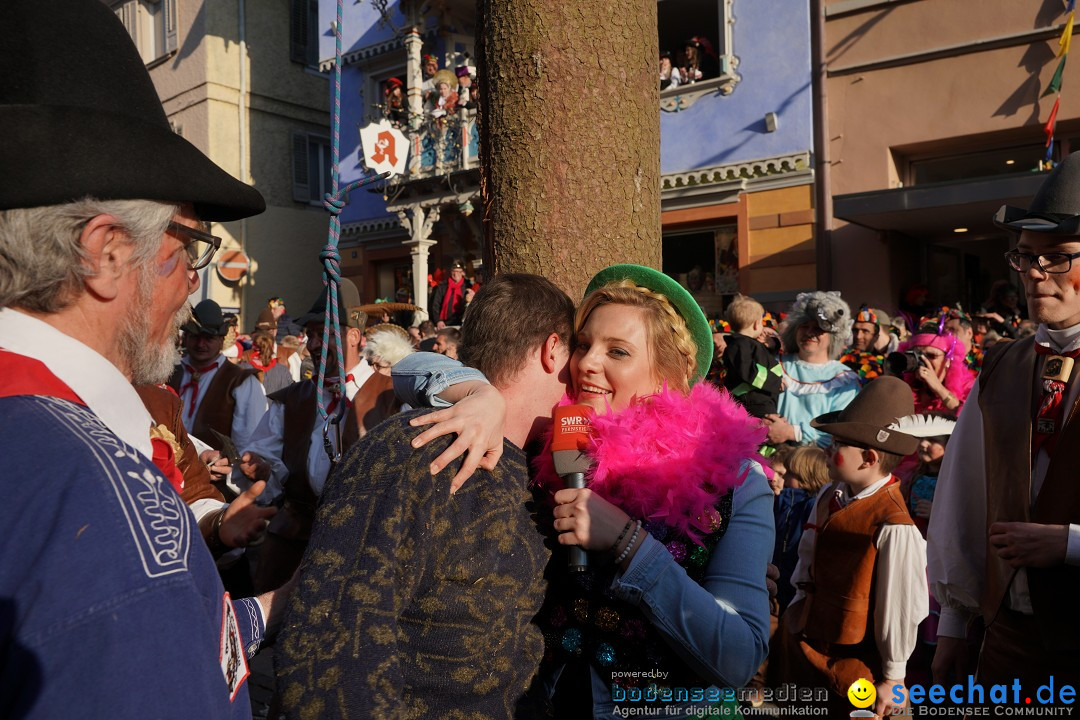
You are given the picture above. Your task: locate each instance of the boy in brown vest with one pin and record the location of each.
(861, 577)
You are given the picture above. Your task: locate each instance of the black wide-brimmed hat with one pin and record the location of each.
(80, 117)
(207, 319)
(349, 312)
(867, 419)
(1056, 207)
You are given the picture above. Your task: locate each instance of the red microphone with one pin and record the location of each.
(568, 442)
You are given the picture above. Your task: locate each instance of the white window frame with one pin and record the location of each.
(683, 96)
(152, 25)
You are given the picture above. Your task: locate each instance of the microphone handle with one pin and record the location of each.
(578, 559)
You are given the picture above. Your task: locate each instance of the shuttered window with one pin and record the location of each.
(152, 25)
(304, 31)
(310, 167)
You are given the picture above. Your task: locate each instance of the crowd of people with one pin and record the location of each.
(819, 501)
(696, 61)
(444, 91)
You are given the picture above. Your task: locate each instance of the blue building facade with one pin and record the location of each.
(736, 147)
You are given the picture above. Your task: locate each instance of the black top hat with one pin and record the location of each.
(866, 420)
(1056, 207)
(349, 313)
(80, 117)
(207, 319)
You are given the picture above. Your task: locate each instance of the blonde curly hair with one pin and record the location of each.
(671, 345)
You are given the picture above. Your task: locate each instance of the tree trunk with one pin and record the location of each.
(570, 136)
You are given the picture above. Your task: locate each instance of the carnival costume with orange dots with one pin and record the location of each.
(675, 462)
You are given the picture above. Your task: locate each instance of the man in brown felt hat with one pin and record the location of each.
(1004, 539)
(110, 603)
(861, 578)
(218, 397)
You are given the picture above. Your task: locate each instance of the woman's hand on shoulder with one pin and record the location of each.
(477, 420)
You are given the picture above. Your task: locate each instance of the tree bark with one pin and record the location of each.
(570, 136)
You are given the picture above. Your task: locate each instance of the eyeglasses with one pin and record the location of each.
(199, 245)
(1055, 263)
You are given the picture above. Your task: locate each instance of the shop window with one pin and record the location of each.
(980, 164)
(706, 263)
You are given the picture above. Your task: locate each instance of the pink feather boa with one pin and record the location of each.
(668, 458)
(959, 378)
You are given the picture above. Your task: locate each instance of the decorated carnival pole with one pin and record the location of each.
(334, 202)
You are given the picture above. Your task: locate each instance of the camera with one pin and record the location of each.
(898, 363)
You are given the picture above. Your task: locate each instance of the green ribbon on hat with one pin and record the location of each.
(679, 297)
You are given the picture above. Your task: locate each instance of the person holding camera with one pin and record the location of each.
(932, 363)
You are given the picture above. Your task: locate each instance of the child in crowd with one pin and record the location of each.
(752, 374)
(861, 576)
(802, 472)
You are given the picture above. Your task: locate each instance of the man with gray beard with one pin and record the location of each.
(110, 604)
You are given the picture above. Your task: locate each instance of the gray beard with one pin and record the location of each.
(149, 364)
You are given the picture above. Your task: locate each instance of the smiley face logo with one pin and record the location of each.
(862, 693)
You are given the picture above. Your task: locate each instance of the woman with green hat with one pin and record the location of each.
(673, 611)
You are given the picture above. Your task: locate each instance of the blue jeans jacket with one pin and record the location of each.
(721, 627)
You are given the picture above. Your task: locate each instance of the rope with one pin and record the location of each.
(334, 202)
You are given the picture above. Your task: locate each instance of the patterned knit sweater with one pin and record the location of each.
(413, 603)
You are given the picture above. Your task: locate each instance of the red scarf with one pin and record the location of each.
(455, 293)
(193, 384)
(255, 363)
(21, 375)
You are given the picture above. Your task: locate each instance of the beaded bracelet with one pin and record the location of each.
(626, 552)
(626, 529)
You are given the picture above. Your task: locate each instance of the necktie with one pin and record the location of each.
(193, 383)
(1051, 414)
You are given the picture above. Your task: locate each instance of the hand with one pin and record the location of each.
(1030, 544)
(923, 507)
(254, 467)
(950, 660)
(780, 430)
(218, 465)
(244, 521)
(927, 375)
(274, 602)
(478, 421)
(586, 519)
(884, 706)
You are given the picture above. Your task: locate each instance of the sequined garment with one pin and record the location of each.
(583, 619)
(414, 603)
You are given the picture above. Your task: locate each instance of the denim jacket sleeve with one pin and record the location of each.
(420, 377)
(721, 627)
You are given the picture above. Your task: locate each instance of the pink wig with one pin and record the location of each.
(958, 377)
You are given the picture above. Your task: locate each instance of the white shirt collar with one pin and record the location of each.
(867, 492)
(103, 388)
(1065, 340)
(360, 374)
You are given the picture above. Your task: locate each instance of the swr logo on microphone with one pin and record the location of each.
(575, 420)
